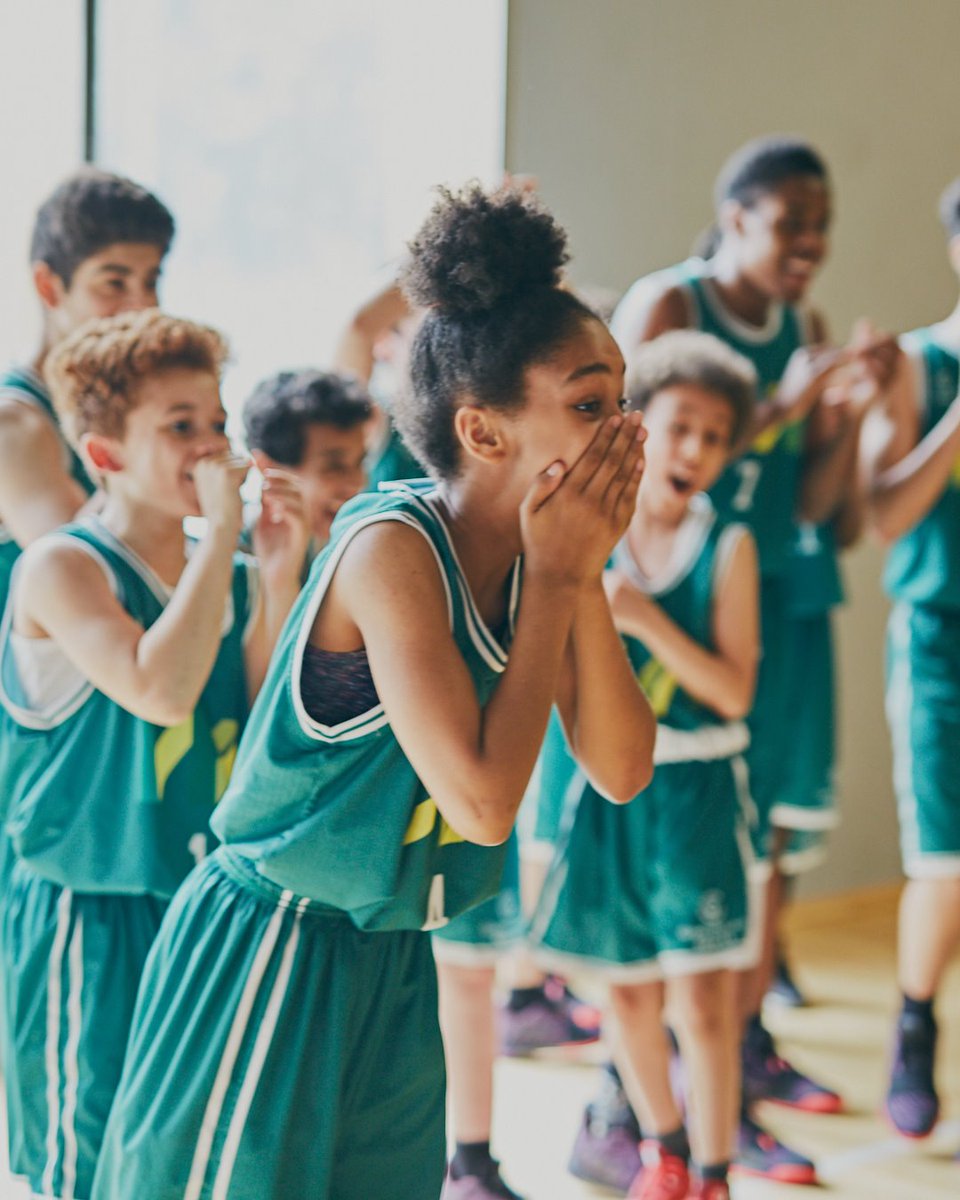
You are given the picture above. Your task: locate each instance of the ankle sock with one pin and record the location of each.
(520, 998)
(714, 1172)
(469, 1158)
(918, 1008)
(675, 1143)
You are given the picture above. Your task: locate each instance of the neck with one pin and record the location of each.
(743, 298)
(485, 531)
(658, 518)
(154, 536)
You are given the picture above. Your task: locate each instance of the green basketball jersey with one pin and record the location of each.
(26, 387)
(759, 488)
(814, 583)
(391, 461)
(337, 813)
(98, 799)
(687, 598)
(923, 566)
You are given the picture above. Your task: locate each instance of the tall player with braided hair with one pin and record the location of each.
(286, 1041)
(126, 666)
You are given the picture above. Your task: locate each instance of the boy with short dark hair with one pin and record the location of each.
(311, 424)
(97, 247)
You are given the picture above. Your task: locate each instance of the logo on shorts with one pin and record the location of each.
(711, 908)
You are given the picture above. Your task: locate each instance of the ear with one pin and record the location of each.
(103, 453)
(730, 216)
(48, 285)
(479, 431)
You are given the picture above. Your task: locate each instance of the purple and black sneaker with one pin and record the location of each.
(551, 1015)
(911, 1103)
(607, 1146)
(760, 1153)
(767, 1076)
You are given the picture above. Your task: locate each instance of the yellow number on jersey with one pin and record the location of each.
(423, 822)
(658, 685)
(172, 747)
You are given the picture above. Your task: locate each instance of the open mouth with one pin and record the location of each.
(683, 487)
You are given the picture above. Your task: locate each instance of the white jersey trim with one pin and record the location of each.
(758, 335)
(709, 743)
(57, 710)
(688, 545)
(374, 718)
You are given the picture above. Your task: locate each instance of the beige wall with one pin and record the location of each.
(625, 110)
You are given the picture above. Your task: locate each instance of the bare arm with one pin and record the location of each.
(37, 493)
(355, 347)
(158, 673)
(280, 542)
(607, 720)
(905, 475)
(476, 761)
(724, 679)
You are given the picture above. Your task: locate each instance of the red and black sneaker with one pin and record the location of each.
(760, 1153)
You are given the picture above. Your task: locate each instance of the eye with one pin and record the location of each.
(182, 428)
(623, 404)
(220, 427)
(591, 407)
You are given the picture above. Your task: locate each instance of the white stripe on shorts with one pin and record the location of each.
(71, 1063)
(231, 1051)
(52, 1049)
(261, 1046)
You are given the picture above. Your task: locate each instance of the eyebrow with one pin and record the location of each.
(597, 368)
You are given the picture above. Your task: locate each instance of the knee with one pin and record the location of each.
(632, 1002)
(704, 1011)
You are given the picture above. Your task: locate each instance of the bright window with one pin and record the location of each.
(297, 143)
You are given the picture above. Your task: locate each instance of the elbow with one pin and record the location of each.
(736, 708)
(165, 711)
(634, 778)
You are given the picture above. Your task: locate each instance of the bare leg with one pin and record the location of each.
(469, 1043)
(929, 934)
(642, 1054)
(704, 1012)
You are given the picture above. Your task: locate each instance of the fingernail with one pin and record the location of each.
(554, 469)
(616, 422)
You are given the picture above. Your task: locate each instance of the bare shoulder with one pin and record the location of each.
(651, 307)
(23, 427)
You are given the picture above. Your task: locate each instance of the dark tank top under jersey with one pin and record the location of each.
(336, 685)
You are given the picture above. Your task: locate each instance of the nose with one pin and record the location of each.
(138, 296)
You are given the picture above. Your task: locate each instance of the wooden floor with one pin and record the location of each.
(843, 950)
(844, 954)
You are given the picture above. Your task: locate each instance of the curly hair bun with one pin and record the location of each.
(478, 250)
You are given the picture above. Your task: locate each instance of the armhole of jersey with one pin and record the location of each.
(254, 597)
(67, 706)
(374, 718)
(730, 538)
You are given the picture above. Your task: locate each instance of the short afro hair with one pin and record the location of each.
(280, 409)
(93, 374)
(91, 210)
(688, 357)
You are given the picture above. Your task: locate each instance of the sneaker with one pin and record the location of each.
(760, 1153)
(664, 1177)
(767, 1076)
(783, 988)
(709, 1189)
(558, 1019)
(487, 1186)
(911, 1102)
(606, 1152)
